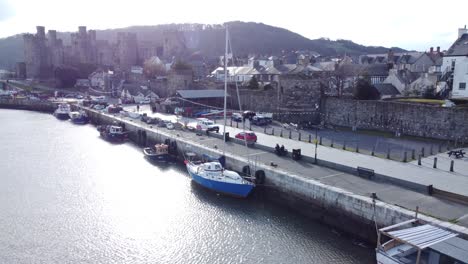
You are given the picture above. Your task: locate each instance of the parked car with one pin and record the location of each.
(206, 125)
(99, 107)
(145, 101)
(261, 120)
(236, 117)
(248, 114)
(70, 96)
(170, 125)
(79, 96)
(249, 136)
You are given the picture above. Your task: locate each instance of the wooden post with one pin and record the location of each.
(331, 145)
(299, 136)
(440, 147)
(273, 131)
(413, 154)
(237, 124)
(405, 156)
(281, 133)
(431, 150)
(310, 138)
(419, 160)
(422, 151)
(290, 134)
(344, 144)
(231, 122)
(416, 212)
(388, 153)
(451, 165)
(320, 141)
(264, 130)
(373, 151)
(357, 147)
(435, 163)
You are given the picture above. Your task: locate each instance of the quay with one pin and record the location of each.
(326, 191)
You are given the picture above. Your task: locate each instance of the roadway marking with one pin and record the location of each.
(257, 153)
(332, 175)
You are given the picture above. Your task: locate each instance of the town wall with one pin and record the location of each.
(420, 120)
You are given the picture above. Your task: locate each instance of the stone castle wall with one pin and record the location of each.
(408, 119)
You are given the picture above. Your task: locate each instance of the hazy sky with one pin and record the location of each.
(408, 24)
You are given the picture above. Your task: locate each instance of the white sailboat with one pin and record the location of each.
(212, 175)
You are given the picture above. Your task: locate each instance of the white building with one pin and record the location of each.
(455, 62)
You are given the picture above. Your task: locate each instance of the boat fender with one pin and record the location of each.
(260, 177)
(246, 170)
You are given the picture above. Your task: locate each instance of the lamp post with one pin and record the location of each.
(316, 134)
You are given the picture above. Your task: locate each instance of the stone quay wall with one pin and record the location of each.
(420, 120)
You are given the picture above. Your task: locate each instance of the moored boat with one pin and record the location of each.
(62, 112)
(213, 176)
(113, 133)
(415, 242)
(79, 117)
(159, 153)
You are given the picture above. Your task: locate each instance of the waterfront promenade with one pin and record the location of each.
(393, 195)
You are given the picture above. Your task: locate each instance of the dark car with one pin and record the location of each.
(261, 120)
(248, 114)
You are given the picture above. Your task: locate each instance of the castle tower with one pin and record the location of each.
(127, 50)
(84, 46)
(173, 43)
(36, 55)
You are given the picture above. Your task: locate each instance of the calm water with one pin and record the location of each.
(67, 196)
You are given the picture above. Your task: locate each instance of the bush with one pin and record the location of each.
(365, 91)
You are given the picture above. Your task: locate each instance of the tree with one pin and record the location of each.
(429, 92)
(181, 66)
(253, 83)
(364, 90)
(152, 70)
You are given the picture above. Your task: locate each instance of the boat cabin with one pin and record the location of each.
(419, 243)
(115, 129)
(212, 166)
(161, 149)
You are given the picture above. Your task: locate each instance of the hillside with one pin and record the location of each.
(246, 38)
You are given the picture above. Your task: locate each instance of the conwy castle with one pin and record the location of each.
(43, 54)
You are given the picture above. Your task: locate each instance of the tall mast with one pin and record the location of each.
(225, 90)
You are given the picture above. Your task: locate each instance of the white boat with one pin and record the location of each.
(63, 111)
(414, 242)
(211, 174)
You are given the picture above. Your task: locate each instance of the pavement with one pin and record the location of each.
(389, 193)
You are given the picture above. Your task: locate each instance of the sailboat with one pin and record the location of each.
(212, 175)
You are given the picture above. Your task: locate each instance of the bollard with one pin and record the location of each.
(413, 154)
(357, 147)
(405, 156)
(422, 151)
(388, 153)
(264, 130)
(451, 165)
(310, 138)
(419, 160)
(431, 150)
(281, 133)
(435, 163)
(273, 131)
(289, 134)
(320, 142)
(344, 145)
(331, 145)
(231, 122)
(237, 124)
(299, 138)
(250, 126)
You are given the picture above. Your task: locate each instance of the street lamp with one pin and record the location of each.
(316, 135)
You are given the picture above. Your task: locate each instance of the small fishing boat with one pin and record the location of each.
(62, 112)
(159, 153)
(113, 133)
(79, 117)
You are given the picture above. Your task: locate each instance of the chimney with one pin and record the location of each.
(462, 31)
(438, 49)
(431, 50)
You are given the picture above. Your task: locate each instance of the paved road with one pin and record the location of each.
(393, 195)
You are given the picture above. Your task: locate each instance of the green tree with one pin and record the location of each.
(364, 90)
(253, 83)
(181, 66)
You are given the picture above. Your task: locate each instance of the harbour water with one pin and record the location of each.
(67, 196)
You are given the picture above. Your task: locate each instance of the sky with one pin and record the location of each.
(413, 25)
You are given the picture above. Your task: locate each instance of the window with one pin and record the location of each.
(462, 86)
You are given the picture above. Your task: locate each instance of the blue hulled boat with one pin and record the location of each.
(213, 176)
(79, 117)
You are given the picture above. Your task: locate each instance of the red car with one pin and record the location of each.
(251, 137)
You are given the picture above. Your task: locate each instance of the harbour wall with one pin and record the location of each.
(354, 214)
(26, 104)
